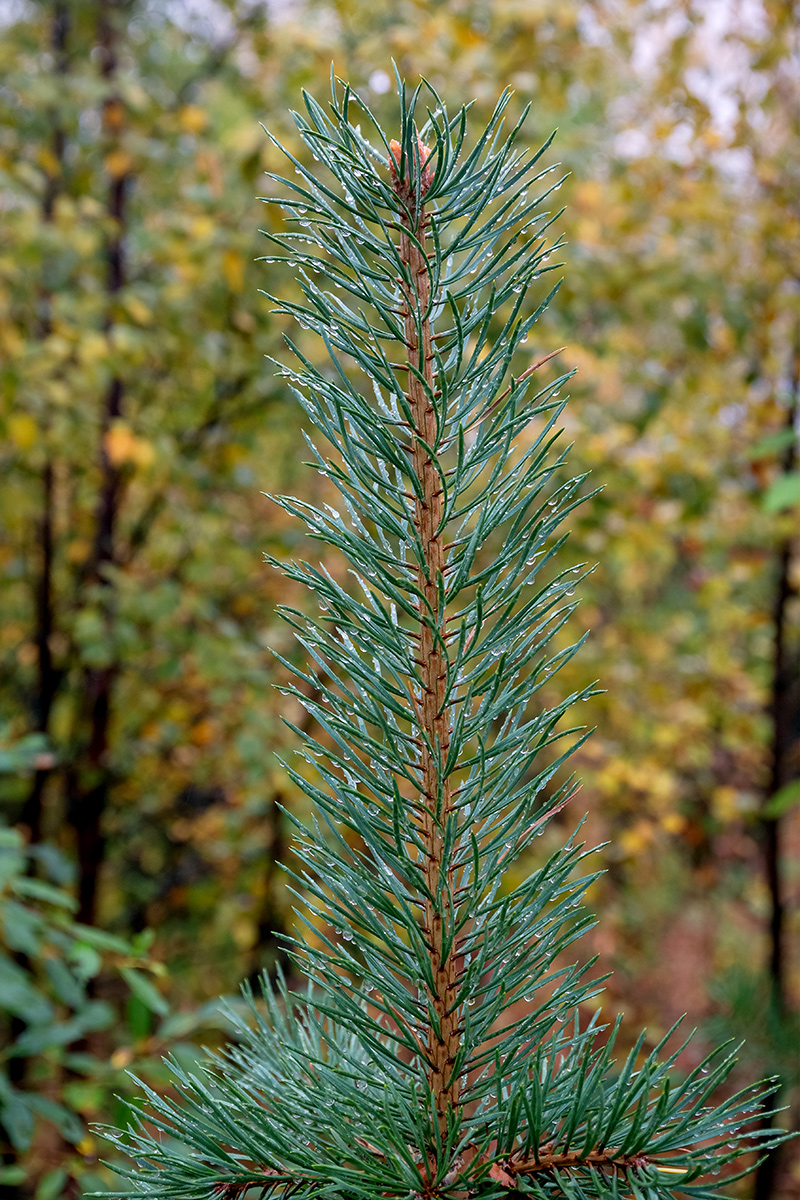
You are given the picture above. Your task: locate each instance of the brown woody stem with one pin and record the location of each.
(595, 1158)
(428, 510)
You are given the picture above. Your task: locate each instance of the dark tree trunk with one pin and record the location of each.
(47, 678)
(43, 606)
(270, 950)
(784, 734)
(784, 714)
(784, 711)
(90, 778)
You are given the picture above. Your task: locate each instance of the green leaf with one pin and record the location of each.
(85, 960)
(142, 942)
(24, 929)
(95, 1014)
(68, 1124)
(782, 800)
(51, 1184)
(140, 1017)
(10, 1176)
(10, 839)
(17, 1120)
(26, 755)
(18, 994)
(772, 444)
(38, 890)
(143, 988)
(100, 940)
(68, 989)
(783, 493)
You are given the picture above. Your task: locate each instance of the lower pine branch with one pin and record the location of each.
(508, 1171)
(462, 1178)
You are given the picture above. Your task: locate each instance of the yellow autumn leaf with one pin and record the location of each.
(123, 446)
(138, 310)
(202, 228)
(467, 36)
(233, 269)
(192, 119)
(203, 733)
(632, 841)
(232, 454)
(144, 453)
(589, 195)
(589, 231)
(78, 551)
(11, 341)
(57, 347)
(118, 163)
(244, 933)
(245, 138)
(48, 161)
(57, 391)
(673, 822)
(92, 348)
(119, 443)
(725, 803)
(723, 338)
(23, 430)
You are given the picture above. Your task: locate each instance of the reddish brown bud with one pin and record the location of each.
(424, 155)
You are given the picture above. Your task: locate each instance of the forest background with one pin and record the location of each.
(140, 785)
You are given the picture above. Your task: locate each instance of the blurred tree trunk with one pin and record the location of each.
(270, 950)
(784, 711)
(47, 677)
(89, 779)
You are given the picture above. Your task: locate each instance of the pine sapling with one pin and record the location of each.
(439, 1048)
